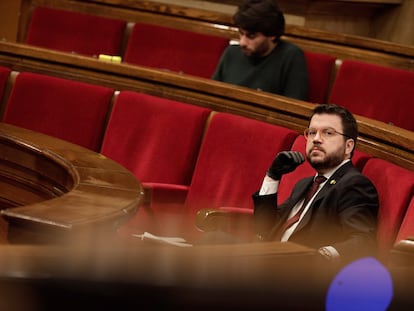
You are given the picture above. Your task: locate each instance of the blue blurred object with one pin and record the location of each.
(364, 284)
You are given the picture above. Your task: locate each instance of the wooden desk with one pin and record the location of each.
(223, 277)
(53, 189)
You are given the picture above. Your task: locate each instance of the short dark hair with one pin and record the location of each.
(262, 16)
(349, 124)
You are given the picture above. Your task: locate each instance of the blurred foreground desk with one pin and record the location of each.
(52, 189)
(122, 276)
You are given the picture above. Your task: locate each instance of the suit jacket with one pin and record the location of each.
(343, 214)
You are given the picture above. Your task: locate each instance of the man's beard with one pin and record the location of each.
(258, 53)
(329, 162)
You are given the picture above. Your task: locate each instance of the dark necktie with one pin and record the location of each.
(295, 218)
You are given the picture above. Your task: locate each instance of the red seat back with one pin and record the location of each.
(174, 49)
(395, 186)
(407, 227)
(70, 110)
(320, 69)
(75, 32)
(155, 138)
(233, 160)
(289, 180)
(378, 92)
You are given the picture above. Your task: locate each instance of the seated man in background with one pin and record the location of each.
(340, 219)
(262, 60)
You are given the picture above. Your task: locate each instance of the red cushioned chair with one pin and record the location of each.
(174, 49)
(407, 226)
(289, 180)
(233, 159)
(377, 92)
(395, 186)
(75, 32)
(320, 69)
(70, 110)
(4, 75)
(158, 140)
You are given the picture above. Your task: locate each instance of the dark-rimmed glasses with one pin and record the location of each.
(325, 133)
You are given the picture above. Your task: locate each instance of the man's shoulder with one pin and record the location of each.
(289, 47)
(350, 174)
(233, 48)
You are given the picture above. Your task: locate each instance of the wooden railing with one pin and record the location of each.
(54, 191)
(377, 138)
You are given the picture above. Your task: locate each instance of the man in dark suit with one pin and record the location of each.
(340, 219)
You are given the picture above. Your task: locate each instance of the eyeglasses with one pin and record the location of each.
(325, 133)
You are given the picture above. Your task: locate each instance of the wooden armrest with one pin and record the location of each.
(402, 254)
(233, 220)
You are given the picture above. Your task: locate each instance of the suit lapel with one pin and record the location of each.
(330, 183)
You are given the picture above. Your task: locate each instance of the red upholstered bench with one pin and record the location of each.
(75, 32)
(395, 186)
(174, 49)
(377, 92)
(67, 109)
(407, 226)
(320, 69)
(158, 140)
(233, 156)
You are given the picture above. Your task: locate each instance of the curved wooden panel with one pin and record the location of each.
(55, 189)
(28, 175)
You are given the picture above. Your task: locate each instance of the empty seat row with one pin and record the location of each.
(67, 109)
(381, 93)
(150, 45)
(147, 45)
(373, 91)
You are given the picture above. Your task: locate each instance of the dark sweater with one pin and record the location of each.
(283, 71)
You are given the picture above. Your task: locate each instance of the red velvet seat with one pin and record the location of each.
(377, 92)
(174, 49)
(407, 227)
(289, 180)
(70, 110)
(320, 69)
(395, 186)
(4, 75)
(233, 159)
(75, 32)
(158, 140)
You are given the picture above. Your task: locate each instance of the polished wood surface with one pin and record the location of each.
(108, 275)
(104, 273)
(54, 189)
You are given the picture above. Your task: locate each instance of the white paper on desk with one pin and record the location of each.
(177, 241)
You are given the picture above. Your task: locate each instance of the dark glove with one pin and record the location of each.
(285, 162)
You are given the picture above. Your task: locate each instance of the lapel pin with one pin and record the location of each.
(332, 182)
